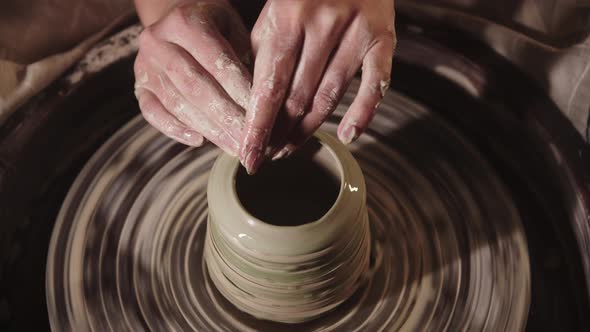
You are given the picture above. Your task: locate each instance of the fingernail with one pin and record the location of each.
(192, 137)
(252, 161)
(283, 153)
(349, 134)
(270, 153)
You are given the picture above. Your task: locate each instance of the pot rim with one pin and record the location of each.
(254, 234)
(307, 224)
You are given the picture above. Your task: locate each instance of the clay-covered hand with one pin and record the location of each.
(307, 52)
(191, 80)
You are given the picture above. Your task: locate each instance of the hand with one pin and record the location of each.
(307, 52)
(191, 81)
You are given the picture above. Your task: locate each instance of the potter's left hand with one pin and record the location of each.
(307, 52)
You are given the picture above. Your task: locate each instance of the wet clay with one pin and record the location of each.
(289, 192)
(289, 274)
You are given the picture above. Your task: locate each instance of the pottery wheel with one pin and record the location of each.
(448, 251)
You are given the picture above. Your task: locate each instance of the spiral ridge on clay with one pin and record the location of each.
(295, 293)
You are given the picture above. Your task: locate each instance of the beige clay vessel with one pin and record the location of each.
(289, 273)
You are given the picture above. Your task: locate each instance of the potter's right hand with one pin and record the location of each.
(191, 81)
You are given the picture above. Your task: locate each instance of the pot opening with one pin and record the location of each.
(293, 191)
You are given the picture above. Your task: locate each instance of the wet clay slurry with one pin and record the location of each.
(289, 192)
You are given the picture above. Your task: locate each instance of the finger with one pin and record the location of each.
(340, 70)
(193, 116)
(155, 114)
(155, 81)
(192, 28)
(319, 42)
(229, 24)
(273, 68)
(195, 97)
(374, 84)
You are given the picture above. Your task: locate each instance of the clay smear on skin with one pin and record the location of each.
(141, 80)
(271, 81)
(266, 91)
(189, 71)
(331, 105)
(179, 105)
(196, 119)
(381, 88)
(217, 107)
(255, 136)
(227, 119)
(224, 62)
(269, 26)
(235, 88)
(172, 127)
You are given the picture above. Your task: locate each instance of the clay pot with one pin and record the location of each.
(264, 253)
